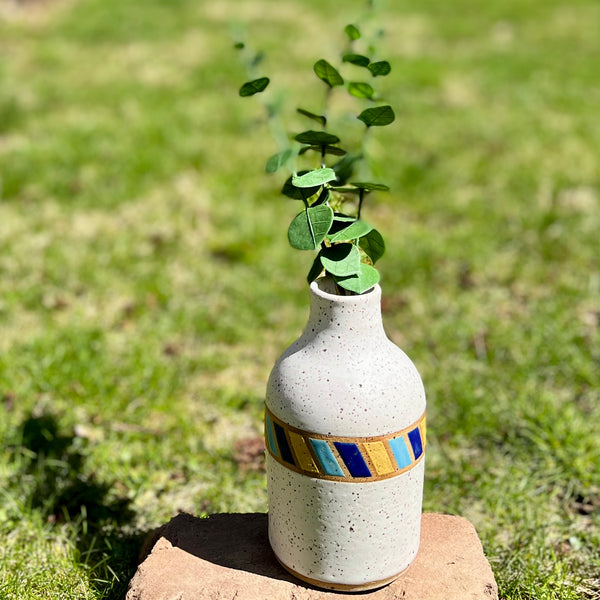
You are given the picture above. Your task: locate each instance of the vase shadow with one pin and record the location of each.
(234, 540)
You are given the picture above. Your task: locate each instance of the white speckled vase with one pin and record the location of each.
(345, 436)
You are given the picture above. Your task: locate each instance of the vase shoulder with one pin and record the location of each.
(344, 375)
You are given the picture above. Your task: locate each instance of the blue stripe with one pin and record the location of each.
(270, 438)
(326, 458)
(401, 454)
(415, 441)
(284, 448)
(353, 458)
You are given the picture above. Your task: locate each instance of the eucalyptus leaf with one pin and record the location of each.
(354, 231)
(336, 226)
(373, 245)
(352, 32)
(254, 87)
(317, 138)
(321, 198)
(315, 270)
(346, 190)
(341, 259)
(257, 59)
(360, 89)
(363, 281)
(314, 178)
(356, 59)
(370, 187)
(380, 68)
(334, 150)
(342, 218)
(377, 116)
(278, 160)
(318, 118)
(309, 228)
(295, 193)
(345, 167)
(327, 73)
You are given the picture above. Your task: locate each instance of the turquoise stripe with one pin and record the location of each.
(326, 458)
(401, 454)
(269, 428)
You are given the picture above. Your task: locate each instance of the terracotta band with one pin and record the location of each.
(351, 459)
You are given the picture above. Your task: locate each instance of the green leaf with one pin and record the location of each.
(343, 218)
(380, 68)
(370, 187)
(356, 59)
(254, 87)
(352, 232)
(318, 118)
(346, 190)
(336, 226)
(334, 150)
(345, 167)
(314, 178)
(278, 160)
(309, 228)
(373, 245)
(341, 259)
(257, 59)
(363, 281)
(239, 45)
(298, 193)
(377, 116)
(315, 270)
(317, 138)
(352, 32)
(325, 72)
(361, 90)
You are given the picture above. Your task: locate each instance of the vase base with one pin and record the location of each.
(343, 587)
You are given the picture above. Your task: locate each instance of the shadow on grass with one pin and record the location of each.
(66, 492)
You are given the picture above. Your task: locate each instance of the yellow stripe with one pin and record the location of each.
(423, 431)
(305, 460)
(379, 457)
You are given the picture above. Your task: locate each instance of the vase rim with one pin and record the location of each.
(316, 289)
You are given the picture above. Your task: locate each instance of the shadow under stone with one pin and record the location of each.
(234, 540)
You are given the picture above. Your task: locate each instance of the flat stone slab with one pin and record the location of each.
(228, 557)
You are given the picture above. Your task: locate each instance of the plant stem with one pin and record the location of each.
(361, 195)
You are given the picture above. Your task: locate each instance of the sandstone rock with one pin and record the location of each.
(227, 557)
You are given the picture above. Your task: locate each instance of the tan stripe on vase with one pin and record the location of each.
(379, 457)
(305, 459)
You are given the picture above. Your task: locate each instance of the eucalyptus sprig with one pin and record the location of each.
(331, 218)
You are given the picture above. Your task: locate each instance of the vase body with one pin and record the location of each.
(345, 437)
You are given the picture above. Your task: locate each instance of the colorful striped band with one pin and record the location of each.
(355, 459)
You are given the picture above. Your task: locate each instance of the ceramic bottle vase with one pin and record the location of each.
(345, 437)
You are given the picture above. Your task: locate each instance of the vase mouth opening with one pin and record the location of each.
(325, 287)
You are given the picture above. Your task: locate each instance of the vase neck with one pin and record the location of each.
(357, 315)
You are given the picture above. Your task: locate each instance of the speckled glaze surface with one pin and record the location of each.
(345, 434)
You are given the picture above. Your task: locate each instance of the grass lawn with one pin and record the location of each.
(146, 284)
